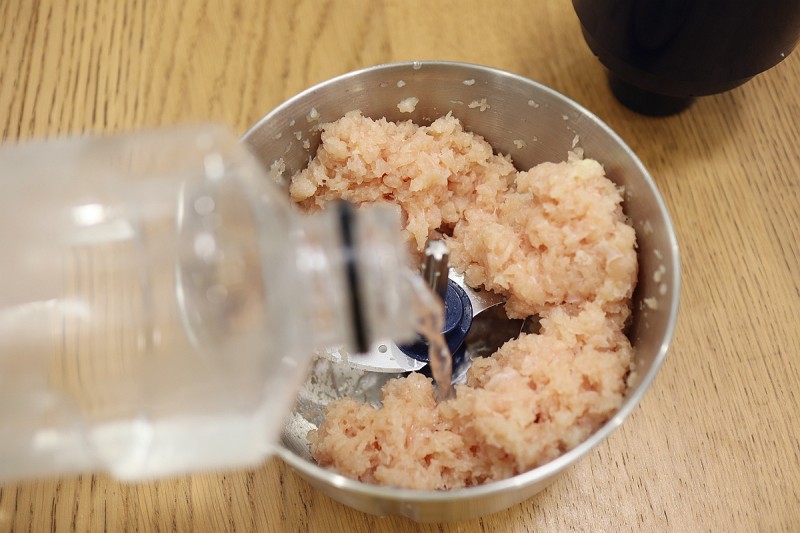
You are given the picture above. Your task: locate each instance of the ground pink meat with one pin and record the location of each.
(433, 172)
(558, 237)
(552, 239)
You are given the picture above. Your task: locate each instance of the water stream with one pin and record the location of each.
(430, 310)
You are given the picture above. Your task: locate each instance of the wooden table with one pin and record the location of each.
(714, 444)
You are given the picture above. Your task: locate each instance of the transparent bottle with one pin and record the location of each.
(160, 301)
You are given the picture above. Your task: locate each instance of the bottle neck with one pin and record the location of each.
(353, 269)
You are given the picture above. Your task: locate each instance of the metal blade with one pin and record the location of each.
(385, 357)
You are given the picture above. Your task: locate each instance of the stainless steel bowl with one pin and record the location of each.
(548, 125)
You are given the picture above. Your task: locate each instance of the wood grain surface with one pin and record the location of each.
(713, 446)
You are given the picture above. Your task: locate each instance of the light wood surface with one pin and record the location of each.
(713, 446)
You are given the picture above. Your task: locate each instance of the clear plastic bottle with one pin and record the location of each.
(160, 301)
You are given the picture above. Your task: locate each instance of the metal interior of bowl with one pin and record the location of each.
(533, 124)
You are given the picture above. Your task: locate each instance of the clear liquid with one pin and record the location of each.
(441, 362)
(430, 311)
